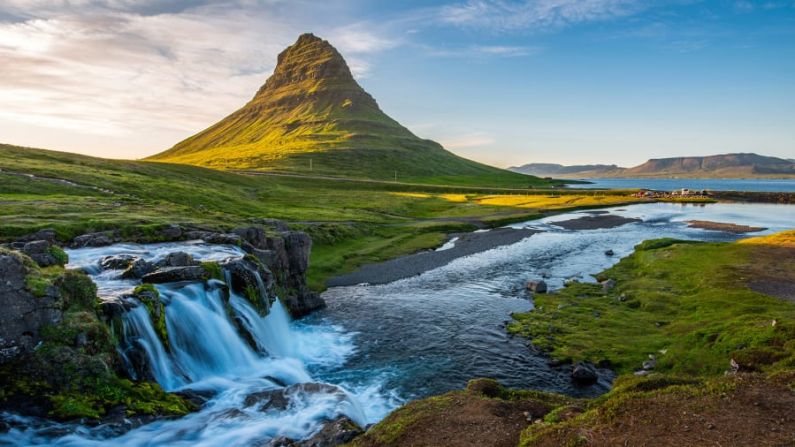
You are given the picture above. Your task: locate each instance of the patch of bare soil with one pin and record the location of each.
(720, 226)
(471, 421)
(772, 271)
(756, 413)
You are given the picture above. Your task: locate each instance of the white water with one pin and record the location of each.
(207, 354)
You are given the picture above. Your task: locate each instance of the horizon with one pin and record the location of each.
(520, 75)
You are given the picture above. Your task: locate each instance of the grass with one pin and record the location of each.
(688, 304)
(352, 221)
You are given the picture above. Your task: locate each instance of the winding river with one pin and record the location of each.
(378, 345)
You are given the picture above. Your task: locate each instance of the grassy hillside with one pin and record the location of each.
(352, 222)
(311, 116)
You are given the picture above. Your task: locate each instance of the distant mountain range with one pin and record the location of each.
(713, 166)
(312, 117)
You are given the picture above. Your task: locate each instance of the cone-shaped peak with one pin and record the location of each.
(309, 58)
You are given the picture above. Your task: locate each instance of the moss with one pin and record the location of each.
(60, 255)
(37, 285)
(213, 270)
(78, 290)
(149, 296)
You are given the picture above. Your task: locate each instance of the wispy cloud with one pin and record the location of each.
(480, 51)
(537, 15)
(118, 68)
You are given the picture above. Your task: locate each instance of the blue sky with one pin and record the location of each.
(503, 82)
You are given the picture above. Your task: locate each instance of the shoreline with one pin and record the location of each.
(466, 244)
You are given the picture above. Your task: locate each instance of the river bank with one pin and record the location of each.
(703, 358)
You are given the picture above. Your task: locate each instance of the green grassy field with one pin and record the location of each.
(352, 221)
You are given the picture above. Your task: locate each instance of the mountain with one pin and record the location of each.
(713, 166)
(561, 171)
(312, 117)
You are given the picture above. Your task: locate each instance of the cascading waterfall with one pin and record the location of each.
(220, 346)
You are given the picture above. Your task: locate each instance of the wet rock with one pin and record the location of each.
(175, 274)
(116, 262)
(196, 397)
(23, 314)
(41, 253)
(112, 307)
(279, 399)
(298, 245)
(255, 236)
(303, 303)
(584, 374)
(609, 253)
(138, 268)
(99, 239)
(537, 286)
(178, 259)
(244, 275)
(340, 431)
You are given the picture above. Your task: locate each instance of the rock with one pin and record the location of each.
(537, 286)
(609, 253)
(177, 259)
(253, 235)
(41, 252)
(298, 245)
(303, 303)
(197, 397)
(138, 268)
(172, 232)
(23, 313)
(99, 239)
(176, 274)
(116, 262)
(340, 431)
(243, 275)
(651, 363)
(485, 387)
(110, 308)
(48, 235)
(584, 374)
(608, 285)
(279, 398)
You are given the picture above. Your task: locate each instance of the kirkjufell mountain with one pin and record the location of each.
(311, 116)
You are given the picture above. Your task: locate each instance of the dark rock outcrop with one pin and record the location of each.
(99, 239)
(537, 286)
(175, 274)
(340, 431)
(41, 252)
(584, 374)
(177, 259)
(137, 269)
(23, 313)
(116, 262)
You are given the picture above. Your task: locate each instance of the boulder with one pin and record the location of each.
(609, 253)
(246, 275)
(537, 286)
(279, 399)
(47, 234)
(99, 239)
(303, 303)
(171, 233)
(175, 274)
(339, 431)
(116, 262)
(23, 313)
(584, 374)
(253, 235)
(41, 252)
(138, 268)
(178, 259)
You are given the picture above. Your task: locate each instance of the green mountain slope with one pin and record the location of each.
(312, 117)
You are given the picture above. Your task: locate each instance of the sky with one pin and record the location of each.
(505, 82)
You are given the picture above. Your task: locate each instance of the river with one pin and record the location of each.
(672, 184)
(381, 345)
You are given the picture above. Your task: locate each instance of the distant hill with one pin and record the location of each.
(713, 166)
(561, 171)
(312, 117)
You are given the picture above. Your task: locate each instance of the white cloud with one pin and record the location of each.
(536, 15)
(466, 141)
(115, 71)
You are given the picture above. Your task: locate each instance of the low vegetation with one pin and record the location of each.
(723, 370)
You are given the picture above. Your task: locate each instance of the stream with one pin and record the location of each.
(374, 347)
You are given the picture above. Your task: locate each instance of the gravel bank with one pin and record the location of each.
(411, 265)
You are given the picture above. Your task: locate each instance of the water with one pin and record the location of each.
(381, 344)
(431, 333)
(671, 184)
